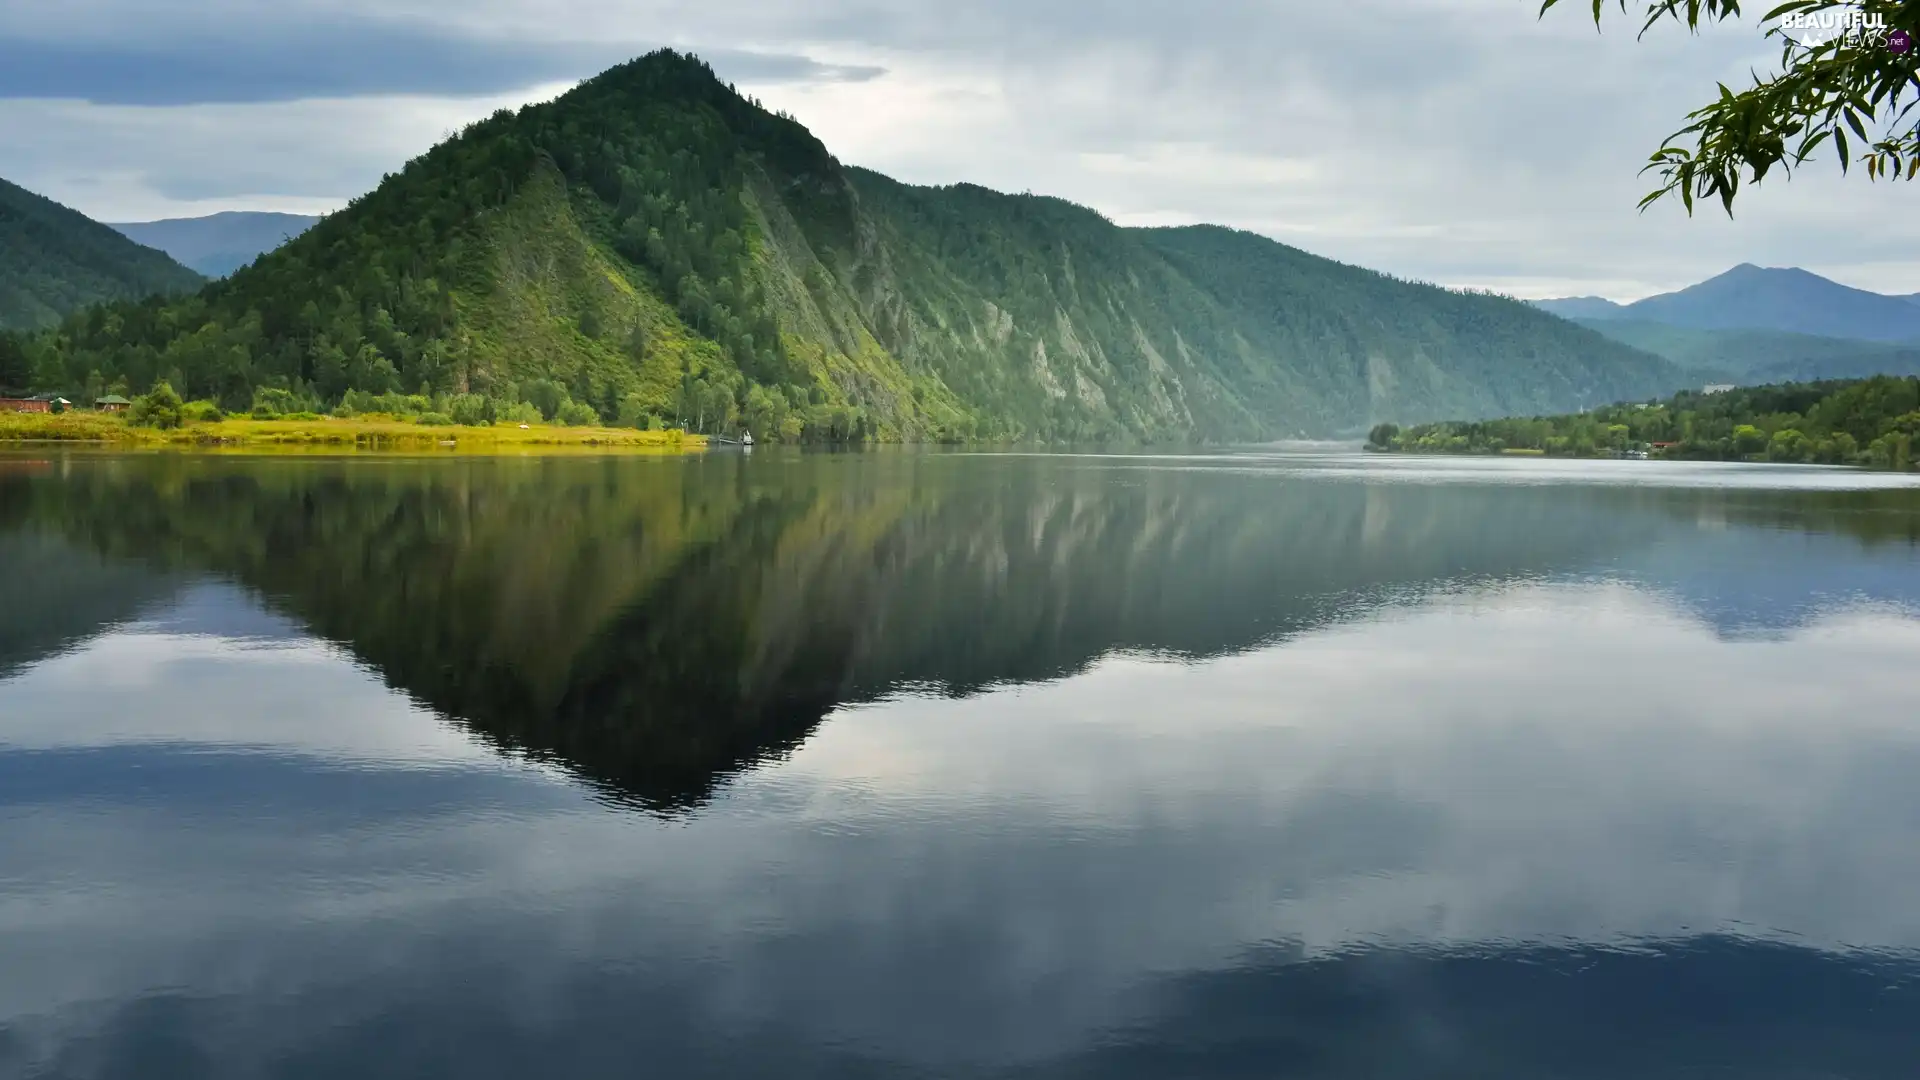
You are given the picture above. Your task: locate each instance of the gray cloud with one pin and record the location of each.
(291, 60)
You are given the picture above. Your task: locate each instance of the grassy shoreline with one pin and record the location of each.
(362, 433)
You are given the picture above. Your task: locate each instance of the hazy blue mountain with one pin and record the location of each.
(1582, 307)
(1758, 324)
(1750, 297)
(1743, 353)
(1888, 360)
(54, 259)
(218, 244)
(1769, 298)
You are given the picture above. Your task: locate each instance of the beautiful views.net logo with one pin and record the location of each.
(1849, 26)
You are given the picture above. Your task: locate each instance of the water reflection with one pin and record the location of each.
(657, 625)
(960, 767)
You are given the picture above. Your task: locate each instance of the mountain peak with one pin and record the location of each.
(662, 77)
(1782, 298)
(1747, 271)
(662, 70)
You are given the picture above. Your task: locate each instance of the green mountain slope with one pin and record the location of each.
(1893, 360)
(656, 247)
(1771, 354)
(54, 260)
(1387, 347)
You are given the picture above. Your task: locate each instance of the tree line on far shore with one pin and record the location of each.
(1872, 422)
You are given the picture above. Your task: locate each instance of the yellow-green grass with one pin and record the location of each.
(361, 433)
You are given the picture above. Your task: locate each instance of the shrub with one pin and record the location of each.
(270, 402)
(547, 396)
(434, 419)
(303, 414)
(157, 408)
(577, 414)
(520, 412)
(201, 412)
(362, 402)
(471, 409)
(633, 412)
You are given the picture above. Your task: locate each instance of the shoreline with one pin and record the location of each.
(358, 433)
(1541, 455)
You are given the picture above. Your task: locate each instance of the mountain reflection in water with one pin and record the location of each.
(955, 764)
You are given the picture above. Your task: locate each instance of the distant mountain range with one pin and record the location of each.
(1763, 324)
(54, 259)
(218, 244)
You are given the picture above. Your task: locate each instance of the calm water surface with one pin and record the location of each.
(1293, 764)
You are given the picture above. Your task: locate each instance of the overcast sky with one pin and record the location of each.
(1456, 141)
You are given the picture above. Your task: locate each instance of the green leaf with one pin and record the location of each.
(1853, 121)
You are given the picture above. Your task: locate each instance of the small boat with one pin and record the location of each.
(746, 439)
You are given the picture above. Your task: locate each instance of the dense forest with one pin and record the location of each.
(653, 249)
(1761, 356)
(54, 260)
(1873, 422)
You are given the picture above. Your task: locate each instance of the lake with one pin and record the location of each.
(1289, 762)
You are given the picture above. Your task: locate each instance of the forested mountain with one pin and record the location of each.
(1582, 307)
(655, 246)
(218, 244)
(1748, 297)
(1783, 298)
(1762, 355)
(54, 260)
